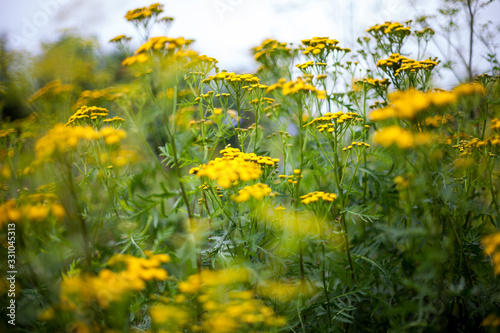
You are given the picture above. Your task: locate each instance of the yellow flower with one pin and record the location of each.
(37, 212)
(112, 135)
(411, 103)
(144, 13)
(401, 182)
(257, 191)
(50, 90)
(235, 166)
(119, 38)
(329, 122)
(495, 124)
(58, 210)
(61, 138)
(296, 86)
(270, 48)
(473, 88)
(136, 58)
(403, 139)
(9, 212)
(491, 243)
(169, 314)
(317, 195)
(438, 120)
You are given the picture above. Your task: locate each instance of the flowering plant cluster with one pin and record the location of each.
(330, 191)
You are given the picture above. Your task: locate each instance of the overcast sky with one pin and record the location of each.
(224, 29)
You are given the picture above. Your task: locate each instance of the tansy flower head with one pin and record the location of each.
(51, 90)
(411, 103)
(257, 191)
(331, 122)
(316, 196)
(235, 166)
(395, 135)
(491, 243)
(473, 88)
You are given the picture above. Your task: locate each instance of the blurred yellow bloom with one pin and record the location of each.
(473, 88)
(395, 135)
(257, 191)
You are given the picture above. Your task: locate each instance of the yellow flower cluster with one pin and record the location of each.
(166, 19)
(160, 43)
(136, 58)
(119, 158)
(395, 135)
(90, 97)
(378, 104)
(257, 191)
(317, 195)
(167, 44)
(111, 135)
(372, 83)
(410, 103)
(310, 63)
(88, 115)
(329, 120)
(426, 32)
(9, 212)
(228, 172)
(263, 161)
(401, 183)
(389, 28)
(296, 86)
(492, 320)
(321, 45)
(292, 179)
(209, 278)
(5, 171)
(7, 132)
(268, 48)
(114, 119)
(398, 63)
(36, 209)
(171, 315)
(438, 120)
(495, 124)
(466, 89)
(235, 312)
(228, 311)
(140, 14)
(264, 100)
(235, 166)
(233, 78)
(280, 291)
(50, 90)
(202, 63)
(491, 243)
(110, 286)
(453, 138)
(467, 147)
(61, 138)
(356, 144)
(119, 39)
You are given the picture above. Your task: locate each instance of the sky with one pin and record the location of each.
(224, 29)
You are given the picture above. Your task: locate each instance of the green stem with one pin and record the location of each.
(323, 275)
(176, 161)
